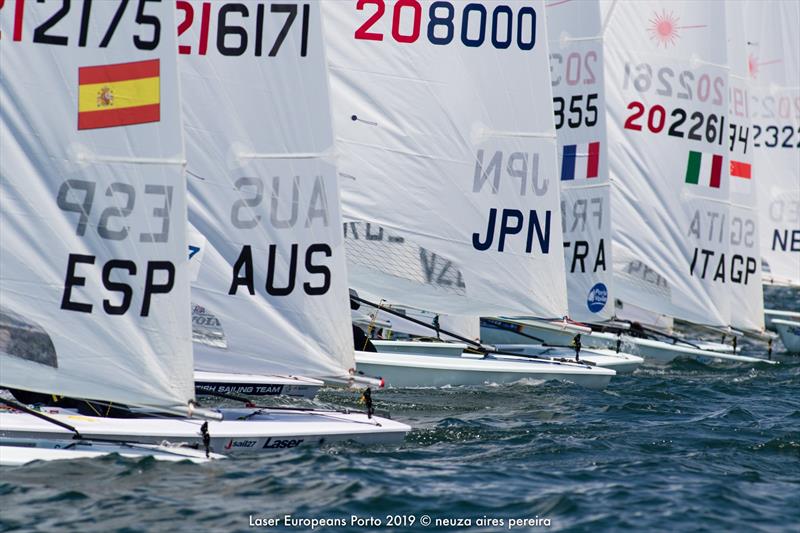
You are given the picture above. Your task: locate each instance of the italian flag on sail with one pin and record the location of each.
(703, 168)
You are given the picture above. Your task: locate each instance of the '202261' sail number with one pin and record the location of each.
(474, 24)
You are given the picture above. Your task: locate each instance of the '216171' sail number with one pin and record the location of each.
(474, 24)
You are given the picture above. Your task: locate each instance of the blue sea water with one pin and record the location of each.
(684, 447)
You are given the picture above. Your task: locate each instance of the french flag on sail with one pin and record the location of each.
(580, 161)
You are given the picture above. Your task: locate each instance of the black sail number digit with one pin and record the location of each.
(40, 34)
(147, 20)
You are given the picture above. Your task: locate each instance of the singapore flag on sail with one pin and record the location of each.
(741, 176)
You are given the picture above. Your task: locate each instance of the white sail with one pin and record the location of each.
(270, 294)
(774, 62)
(443, 121)
(667, 96)
(576, 63)
(747, 297)
(94, 285)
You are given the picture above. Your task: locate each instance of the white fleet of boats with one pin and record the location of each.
(516, 190)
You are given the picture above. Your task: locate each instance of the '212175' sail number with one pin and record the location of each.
(474, 24)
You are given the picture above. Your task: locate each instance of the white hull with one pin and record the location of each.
(255, 384)
(437, 370)
(240, 430)
(653, 351)
(789, 331)
(621, 363)
(442, 349)
(713, 346)
(770, 314)
(16, 452)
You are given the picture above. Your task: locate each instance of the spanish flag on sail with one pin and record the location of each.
(119, 95)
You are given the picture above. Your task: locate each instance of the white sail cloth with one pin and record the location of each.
(747, 297)
(94, 286)
(443, 122)
(576, 63)
(774, 63)
(667, 96)
(270, 293)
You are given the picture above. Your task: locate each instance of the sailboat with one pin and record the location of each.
(747, 297)
(448, 165)
(774, 92)
(269, 283)
(671, 242)
(119, 330)
(93, 288)
(675, 249)
(576, 64)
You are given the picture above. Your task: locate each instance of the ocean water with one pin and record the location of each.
(684, 447)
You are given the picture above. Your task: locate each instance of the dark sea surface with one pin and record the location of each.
(684, 447)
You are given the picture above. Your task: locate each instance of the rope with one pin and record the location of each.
(87, 402)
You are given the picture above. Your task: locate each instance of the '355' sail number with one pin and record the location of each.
(473, 24)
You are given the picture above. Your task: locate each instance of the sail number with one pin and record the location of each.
(233, 37)
(232, 21)
(700, 126)
(576, 69)
(48, 32)
(577, 118)
(774, 136)
(474, 25)
(686, 85)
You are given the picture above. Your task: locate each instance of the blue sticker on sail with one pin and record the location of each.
(597, 298)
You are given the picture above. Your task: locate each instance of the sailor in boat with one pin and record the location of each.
(83, 407)
(360, 339)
